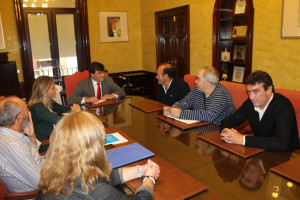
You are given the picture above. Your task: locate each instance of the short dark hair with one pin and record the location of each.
(169, 69)
(96, 66)
(260, 77)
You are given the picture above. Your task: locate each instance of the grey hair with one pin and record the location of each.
(210, 74)
(9, 110)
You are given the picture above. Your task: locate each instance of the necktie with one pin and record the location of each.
(98, 91)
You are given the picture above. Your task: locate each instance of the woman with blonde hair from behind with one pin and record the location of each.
(44, 110)
(77, 167)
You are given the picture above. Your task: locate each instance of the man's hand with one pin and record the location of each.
(166, 110)
(232, 136)
(108, 96)
(175, 112)
(29, 130)
(91, 100)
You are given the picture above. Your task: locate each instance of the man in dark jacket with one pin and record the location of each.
(170, 89)
(272, 117)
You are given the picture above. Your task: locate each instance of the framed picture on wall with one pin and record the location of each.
(113, 26)
(2, 42)
(240, 7)
(239, 31)
(290, 19)
(238, 74)
(239, 52)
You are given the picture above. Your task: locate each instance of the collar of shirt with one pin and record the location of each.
(11, 132)
(17, 135)
(168, 87)
(261, 112)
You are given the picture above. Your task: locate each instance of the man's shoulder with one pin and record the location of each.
(84, 81)
(282, 100)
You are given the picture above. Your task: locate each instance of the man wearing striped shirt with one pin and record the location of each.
(209, 101)
(19, 156)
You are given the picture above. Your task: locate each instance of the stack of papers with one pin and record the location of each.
(183, 120)
(115, 138)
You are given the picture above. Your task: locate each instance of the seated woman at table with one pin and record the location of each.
(76, 166)
(46, 112)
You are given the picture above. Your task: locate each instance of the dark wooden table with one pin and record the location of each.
(226, 175)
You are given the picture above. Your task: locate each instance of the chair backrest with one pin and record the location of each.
(72, 80)
(190, 79)
(238, 92)
(294, 97)
(3, 190)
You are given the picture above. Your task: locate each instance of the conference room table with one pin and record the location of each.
(226, 175)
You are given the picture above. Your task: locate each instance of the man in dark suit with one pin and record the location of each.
(170, 89)
(271, 116)
(96, 87)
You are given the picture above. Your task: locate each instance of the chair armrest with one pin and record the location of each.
(22, 195)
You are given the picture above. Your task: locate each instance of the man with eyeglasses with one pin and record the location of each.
(19, 156)
(209, 101)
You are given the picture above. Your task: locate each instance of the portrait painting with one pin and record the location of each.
(113, 26)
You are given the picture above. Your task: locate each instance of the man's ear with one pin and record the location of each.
(270, 89)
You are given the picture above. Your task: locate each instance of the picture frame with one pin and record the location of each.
(290, 19)
(2, 41)
(238, 74)
(239, 31)
(240, 7)
(225, 55)
(113, 27)
(239, 52)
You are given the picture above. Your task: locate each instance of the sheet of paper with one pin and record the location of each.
(183, 120)
(100, 101)
(115, 138)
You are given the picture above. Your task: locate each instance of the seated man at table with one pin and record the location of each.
(271, 116)
(96, 87)
(170, 89)
(209, 101)
(19, 154)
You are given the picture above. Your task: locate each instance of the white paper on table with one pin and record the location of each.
(183, 120)
(100, 101)
(119, 137)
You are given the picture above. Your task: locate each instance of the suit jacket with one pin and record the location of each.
(85, 88)
(178, 89)
(277, 130)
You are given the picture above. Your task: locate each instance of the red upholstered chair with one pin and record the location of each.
(4, 194)
(294, 97)
(72, 80)
(238, 92)
(239, 95)
(190, 79)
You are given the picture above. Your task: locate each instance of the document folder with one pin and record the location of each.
(127, 154)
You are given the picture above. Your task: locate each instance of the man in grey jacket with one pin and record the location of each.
(96, 87)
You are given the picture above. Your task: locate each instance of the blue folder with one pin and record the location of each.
(127, 154)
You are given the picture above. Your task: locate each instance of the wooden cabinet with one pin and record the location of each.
(233, 30)
(9, 82)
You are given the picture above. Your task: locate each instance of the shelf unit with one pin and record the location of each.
(224, 21)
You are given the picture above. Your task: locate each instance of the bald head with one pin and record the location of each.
(10, 107)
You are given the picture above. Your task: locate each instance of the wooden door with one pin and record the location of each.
(172, 38)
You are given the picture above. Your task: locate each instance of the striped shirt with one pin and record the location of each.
(19, 161)
(195, 106)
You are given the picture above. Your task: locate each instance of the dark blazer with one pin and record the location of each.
(178, 89)
(277, 130)
(85, 88)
